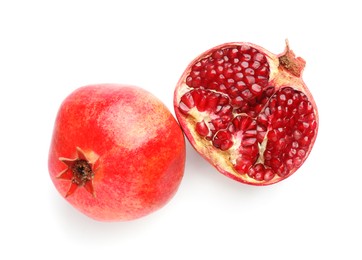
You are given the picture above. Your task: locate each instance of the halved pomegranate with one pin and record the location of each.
(248, 111)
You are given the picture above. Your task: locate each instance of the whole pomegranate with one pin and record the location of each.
(248, 111)
(117, 153)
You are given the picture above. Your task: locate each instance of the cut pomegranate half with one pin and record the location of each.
(247, 111)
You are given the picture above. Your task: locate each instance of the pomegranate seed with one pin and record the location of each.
(268, 175)
(248, 142)
(218, 54)
(222, 140)
(202, 128)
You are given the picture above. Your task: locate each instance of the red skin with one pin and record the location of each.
(132, 142)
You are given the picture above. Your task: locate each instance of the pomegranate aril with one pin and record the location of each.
(282, 99)
(289, 164)
(218, 54)
(222, 140)
(269, 175)
(283, 171)
(259, 57)
(246, 57)
(248, 142)
(196, 66)
(202, 104)
(252, 172)
(196, 82)
(228, 72)
(301, 153)
(212, 101)
(297, 134)
(232, 53)
(233, 92)
(260, 173)
(256, 89)
(250, 133)
(183, 108)
(237, 101)
(219, 69)
(297, 161)
(194, 74)
(202, 128)
(303, 107)
(244, 64)
(237, 69)
(259, 176)
(188, 100)
(196, 95)
(238, 122)
(219, 124)
(263, 119)
(292, 152)
(246, 94)
(238, 76)
(250, 152)
(249, 80)
(242, 165)
(223, 100)
(214, 85)
(256, 64)
(273, 136)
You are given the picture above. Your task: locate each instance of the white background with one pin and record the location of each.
(49, 48)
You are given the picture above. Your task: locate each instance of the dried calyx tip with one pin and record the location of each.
(289, 62)
(286, 45)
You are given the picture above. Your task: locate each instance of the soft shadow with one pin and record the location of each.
(199, 170)
(80, 227)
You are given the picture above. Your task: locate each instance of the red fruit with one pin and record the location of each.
(248, 111)
(117, 153)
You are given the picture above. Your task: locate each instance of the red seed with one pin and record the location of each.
(202, 128)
